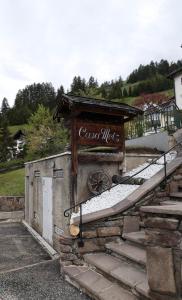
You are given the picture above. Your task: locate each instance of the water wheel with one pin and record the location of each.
(98, 182)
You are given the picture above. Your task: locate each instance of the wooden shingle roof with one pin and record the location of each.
(72, 105)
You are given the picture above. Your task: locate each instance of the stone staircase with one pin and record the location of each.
(119, 272)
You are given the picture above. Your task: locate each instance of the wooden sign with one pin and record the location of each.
(98, 134)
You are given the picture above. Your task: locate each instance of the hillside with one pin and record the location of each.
(12, 183)
(131, 100)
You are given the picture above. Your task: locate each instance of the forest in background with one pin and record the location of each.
(35, 104)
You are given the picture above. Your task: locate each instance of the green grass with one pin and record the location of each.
(15, 128)
(12, 183)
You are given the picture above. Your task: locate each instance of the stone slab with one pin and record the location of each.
(143, 288)
(128, 251)
(116, 293)
(163, 237)
(93, 281)
(163, 223)
(131, 224)
(73, 270)
(160, 270)
(135, 237)
(102, 261)
(96, 284)
(129, 275)
(166, 209)
(108, 231)
(176, 195)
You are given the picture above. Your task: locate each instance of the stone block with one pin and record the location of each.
(108, 231)
(161, 194)
(89, 234)
(104, 240)
(90, 246)
(173, 187)
(163, 238)
(163, 223)
(114, 223)
(160, 270)
(177, 177)
(131, 224)
(65, 248)
(65, 240)
(68, 256)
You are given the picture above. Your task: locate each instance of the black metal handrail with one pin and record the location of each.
(69, 210)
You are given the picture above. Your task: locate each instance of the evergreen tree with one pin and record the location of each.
(5, 106)
(78, 86)
(125, 94)
(28, 99)
(60, 92)
(6, 142)
(92, 83)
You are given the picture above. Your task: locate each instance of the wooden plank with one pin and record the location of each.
(98, 134)
(86, 157)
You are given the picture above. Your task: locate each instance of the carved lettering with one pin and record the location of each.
(104, 134)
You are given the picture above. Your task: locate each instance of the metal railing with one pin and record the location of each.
(68, 211)
(153, 122)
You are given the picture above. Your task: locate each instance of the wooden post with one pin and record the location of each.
(74, 162)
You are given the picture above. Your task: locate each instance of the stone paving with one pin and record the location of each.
(27, 272)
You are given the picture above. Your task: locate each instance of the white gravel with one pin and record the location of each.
(107, 199)
(121, 191)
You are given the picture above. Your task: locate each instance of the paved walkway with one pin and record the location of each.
(26, 271)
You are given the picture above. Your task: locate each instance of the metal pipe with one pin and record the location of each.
(165, 171)
(81, 242)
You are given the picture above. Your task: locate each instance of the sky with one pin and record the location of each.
(55, 40)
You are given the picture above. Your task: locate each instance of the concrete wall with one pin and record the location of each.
(133, 160)
(58, 169)
(159, 141)
(178, 90)
(108, 167)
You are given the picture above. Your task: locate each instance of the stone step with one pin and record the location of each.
(170, 202)
(177, 177)
(137, 237)
(165, 209)
(176, 195)
(95, 284)
(124, 273)
(128, 251)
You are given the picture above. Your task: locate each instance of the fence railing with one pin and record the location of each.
(153, 122)
(68, 211)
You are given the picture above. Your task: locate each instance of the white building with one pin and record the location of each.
(177, 75)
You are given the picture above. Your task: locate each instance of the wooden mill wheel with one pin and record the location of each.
(98, 182)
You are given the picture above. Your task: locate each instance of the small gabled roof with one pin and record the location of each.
(174, 73)
(72, 105)
(18, 135)
(169, 102)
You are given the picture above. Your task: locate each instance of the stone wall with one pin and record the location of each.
(163, 239)
(97, 233)
(12, 203)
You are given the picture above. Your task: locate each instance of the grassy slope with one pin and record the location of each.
(15, 128)
(131, 100)
(12, 183)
